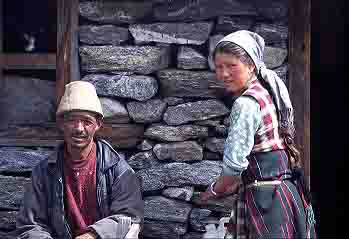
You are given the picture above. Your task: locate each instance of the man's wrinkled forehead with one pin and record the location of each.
(80, 114)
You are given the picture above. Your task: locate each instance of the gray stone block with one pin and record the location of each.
(114, 111)
(164, 209)
(187, 151)
(186, 83)
(179, 33)
(194, 111)
(103, 35)
(115, 12)
(175, 133)
(135, 87)
(147, 112)
(180, 174)
(188, 58)
(138, 59)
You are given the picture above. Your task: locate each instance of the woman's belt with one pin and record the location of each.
(263, 183)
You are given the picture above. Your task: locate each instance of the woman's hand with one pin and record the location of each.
(223, 185)
(204, 196)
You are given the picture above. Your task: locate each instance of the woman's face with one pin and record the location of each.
(232, 72)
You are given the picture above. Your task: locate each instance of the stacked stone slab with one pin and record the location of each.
(149, 63)
(171, 90)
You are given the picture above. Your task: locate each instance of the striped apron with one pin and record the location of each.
(271, 201)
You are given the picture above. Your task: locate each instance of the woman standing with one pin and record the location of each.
(260, 160)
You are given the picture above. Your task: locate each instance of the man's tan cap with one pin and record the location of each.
(80, 95)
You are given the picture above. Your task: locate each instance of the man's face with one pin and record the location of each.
(79, 128)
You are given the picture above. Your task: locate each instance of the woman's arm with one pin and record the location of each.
(245, 119)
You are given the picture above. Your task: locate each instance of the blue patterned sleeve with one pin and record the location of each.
(245, 118)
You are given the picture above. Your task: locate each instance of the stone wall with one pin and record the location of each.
(148, 62)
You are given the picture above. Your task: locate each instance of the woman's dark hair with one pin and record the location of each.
(231, 48)
(291, 149)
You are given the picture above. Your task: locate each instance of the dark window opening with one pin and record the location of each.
(29, 26)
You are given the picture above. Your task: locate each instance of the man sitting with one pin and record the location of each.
(86, 189)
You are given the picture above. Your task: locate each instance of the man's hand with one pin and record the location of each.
(88, 235)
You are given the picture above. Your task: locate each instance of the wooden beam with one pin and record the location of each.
(68, 68)
(299, 75)
(47, 134)
(11, 61)
(1, 33)
(12, 142)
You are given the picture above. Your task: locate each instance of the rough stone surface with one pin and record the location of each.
(103, 35)
(146, 144)
(193, 235)
(114, 111)
(226, 121)
(219, 130)
(163, 229)
(197, 217)
(147, 112)
(229, 24)
(8, 220)
(17, 160)
(215, 145)
(183, 193)
(171, 101)
(115, 12)
(164, 209)
(137, 59)
(274, 56)
(194, 111)
(26, 100)
(201, 10)
(208, 123)
(185, 83)
(179, 33)
(135, 87)
(212, 156)
(12, 191)
(272, 10)
(143, 160)
(175, 133)
(189, 58)
(180, 174)
(212, 44)
(222, 205)
(274, 34)
(181, 152)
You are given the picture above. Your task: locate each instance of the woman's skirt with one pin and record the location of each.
(269, 210)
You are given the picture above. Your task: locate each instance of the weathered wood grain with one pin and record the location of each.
(28, 61)
(68, 68)
(299, 75)
(119, 135)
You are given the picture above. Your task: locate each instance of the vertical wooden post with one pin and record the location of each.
(67, 68)
(1, 35)
(299, 75)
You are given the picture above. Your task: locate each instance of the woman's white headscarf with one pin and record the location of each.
(253, 44)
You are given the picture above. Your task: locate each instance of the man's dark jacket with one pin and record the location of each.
(118, 193)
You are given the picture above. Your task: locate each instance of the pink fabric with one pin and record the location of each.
(80, 191)
(267, 137)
